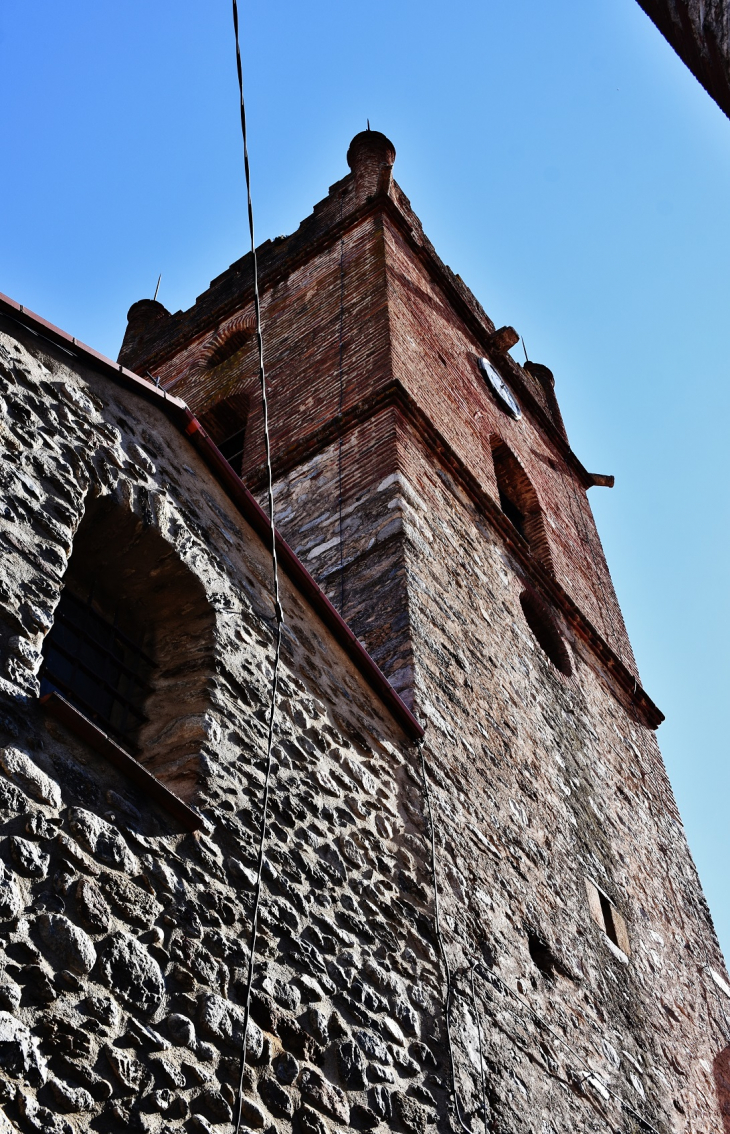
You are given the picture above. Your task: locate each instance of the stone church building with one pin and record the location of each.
(479, 910)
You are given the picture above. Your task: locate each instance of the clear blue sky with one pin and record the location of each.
(563, 161)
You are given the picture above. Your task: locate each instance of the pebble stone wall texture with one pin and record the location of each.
(544, 784)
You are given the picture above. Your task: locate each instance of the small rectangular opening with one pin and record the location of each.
(607, 917)
(609, 926)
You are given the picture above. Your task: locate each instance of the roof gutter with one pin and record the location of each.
(177, 410)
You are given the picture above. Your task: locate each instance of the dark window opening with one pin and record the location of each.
(541, 954)
(519, 502)
(512, 512)
(99, 660)
(540, 620)
(607, 917)
(608, 921)
(226, 424)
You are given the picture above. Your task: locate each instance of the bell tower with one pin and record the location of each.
(427, 482)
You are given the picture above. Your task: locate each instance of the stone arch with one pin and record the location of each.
(216, 383)
(126, 592)
(519, 502)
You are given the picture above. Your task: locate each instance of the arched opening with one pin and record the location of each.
(131, 645)
(545, 629)
(222, 399)
(225, 422)
(518, 500)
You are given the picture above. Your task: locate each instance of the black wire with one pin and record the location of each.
(275, 571)
(494, 979)
(440, 940)
(481, 1055)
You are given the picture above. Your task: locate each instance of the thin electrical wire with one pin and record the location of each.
(493, 978)
(440, 940)
(481, 1054)
(565, 1082)
(275, 573)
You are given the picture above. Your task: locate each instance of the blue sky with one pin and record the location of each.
(563, 161)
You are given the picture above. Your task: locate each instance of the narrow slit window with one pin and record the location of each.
(609, 925)
(606, 916)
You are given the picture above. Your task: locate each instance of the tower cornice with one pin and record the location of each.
(274, 269)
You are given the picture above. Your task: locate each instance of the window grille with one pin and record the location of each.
(99, 661)
(226, 423)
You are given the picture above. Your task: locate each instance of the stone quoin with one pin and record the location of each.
(448, 610)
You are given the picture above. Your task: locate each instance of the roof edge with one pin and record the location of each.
(178, 412)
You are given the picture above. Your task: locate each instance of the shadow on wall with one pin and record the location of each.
(132, 642)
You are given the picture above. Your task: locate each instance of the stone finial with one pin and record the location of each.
(544, 376)
(370, 157)
(141, 318)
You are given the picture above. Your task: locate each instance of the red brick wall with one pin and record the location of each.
(385, 487)
(366, 312)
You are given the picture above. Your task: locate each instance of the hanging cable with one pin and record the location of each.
(275, 573)
(588, 1075)
(491, 978)
(440, 941)
(481, 1054)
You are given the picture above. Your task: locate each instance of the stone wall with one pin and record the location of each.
(124, 937)
(699, 31)
(541, 784)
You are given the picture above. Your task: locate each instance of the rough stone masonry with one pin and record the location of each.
(699, 31)
(572, 980)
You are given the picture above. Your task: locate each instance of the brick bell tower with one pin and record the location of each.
(427, 482)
